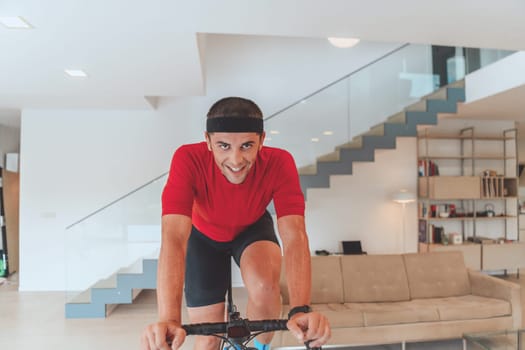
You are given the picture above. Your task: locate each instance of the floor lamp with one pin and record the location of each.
(403, 197)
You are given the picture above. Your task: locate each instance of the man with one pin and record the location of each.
(214, 208)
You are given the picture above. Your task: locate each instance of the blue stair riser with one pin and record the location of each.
(373, 142)
(142, 281)
(314, 181)
(395, 130)
(442, 106)
(111, 295)
(456, 94)
(334, 168)
(367, 153)
(421, 118)
(86, 310)
(149, 265)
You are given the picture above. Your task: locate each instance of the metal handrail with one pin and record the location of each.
(337, 81)
(116, 200)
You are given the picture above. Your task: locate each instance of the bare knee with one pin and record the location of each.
(261, 268)
(263, 292)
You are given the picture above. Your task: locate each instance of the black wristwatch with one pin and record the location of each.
(297, 309)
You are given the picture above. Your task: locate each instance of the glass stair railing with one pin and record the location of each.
(111, 252)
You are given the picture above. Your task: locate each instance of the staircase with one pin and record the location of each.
(125, 285)
(383, 136)
(120, 288)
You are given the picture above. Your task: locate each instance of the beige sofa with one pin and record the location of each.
(383, 299)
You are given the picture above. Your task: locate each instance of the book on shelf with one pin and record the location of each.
(427, 168)
(430, 233)
(422, 231)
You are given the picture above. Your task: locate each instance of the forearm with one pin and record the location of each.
(170, 277)
(171, 267)
(296, 259)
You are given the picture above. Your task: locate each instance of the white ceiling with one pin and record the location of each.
(136, 49)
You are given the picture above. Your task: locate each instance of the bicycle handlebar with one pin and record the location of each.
(238, 330)
(222, 327)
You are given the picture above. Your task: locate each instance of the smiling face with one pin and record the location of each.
(234, 152)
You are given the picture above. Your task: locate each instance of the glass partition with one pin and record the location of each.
(114, 238)
(349, 107)
(363, 99)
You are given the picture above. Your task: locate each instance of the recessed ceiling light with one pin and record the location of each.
(343, 43)
(328, 132)
(76, 73)
(15, 23)
(314, 139)
(303, 101)
(274, 132)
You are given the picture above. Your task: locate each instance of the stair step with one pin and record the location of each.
(136, 267)
(308, 170)
(398, 118)
(457, 84)
(376, 130)
(357, 142)
(440, 94)
(109, 282)
(80, 298)
(330, 157)
(419, 106)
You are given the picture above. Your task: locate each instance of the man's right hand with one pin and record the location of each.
(155, 336)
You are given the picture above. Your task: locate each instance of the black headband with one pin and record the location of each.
(234, 124)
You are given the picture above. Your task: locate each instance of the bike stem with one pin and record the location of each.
(232, 309)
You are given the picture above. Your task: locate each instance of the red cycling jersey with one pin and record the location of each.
(221, 210)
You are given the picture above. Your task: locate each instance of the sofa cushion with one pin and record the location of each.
(380, 314)
(327, 283)
(372, 278)
(436, 275)
(469, 307)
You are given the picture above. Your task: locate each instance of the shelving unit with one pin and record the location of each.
(468, 195)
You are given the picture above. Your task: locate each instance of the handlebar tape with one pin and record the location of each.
(221, 327)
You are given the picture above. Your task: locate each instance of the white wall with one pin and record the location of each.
(359, 207)
(76, 161)
(501, 75)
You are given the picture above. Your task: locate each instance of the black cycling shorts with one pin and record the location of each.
(208, 262)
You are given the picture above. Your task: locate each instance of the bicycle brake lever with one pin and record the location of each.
(307, 344)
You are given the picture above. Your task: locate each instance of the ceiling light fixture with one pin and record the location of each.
(314, 139)
(274, 132)
(76, 73)
(343, 43)
(328, 132)
(15, 23)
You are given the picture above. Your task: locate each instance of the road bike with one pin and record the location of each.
(237, 332)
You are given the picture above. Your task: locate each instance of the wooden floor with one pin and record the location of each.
(35, 320)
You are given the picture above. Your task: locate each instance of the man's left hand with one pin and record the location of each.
(311, 326)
